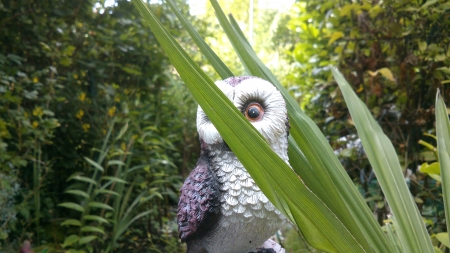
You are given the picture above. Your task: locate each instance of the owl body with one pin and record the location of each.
(221, 209)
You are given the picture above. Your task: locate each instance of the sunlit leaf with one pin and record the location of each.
(433, 168)
(443, 238)
(335, 36)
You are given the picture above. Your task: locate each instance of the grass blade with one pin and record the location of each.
(273, 176)
(443, 144)
(325, 176)
(384, 161)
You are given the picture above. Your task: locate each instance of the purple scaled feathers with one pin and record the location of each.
(198, 206)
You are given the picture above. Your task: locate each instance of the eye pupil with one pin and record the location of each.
(253, 112)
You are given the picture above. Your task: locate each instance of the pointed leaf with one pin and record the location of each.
(78, 192)
(123, 225)
(71, 239)
(73, 206)
(87, 239)
(116, 162)
(105, 191)
(96, 218)
(96, 165)
(71, 222)
(433, 168)
(273, 176)
(328, 171)
(82, 179)
(93, 229)
(122, 131)
(443, 144)
(335, 36)
(443, 238)
(384, 160)
(100, 205)
(114, 179)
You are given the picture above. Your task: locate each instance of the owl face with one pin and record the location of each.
(258, 100)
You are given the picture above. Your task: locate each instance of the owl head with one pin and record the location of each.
(260, 102)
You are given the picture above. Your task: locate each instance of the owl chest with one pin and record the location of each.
(247, 216)
(241, 199)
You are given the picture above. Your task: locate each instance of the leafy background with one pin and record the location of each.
(96, 128)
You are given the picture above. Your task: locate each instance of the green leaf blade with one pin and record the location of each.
(94, 164)
(93, 229)
(383, 158)
(73, 206)
(443, 144)
(96, 218)
(71, 239)
(100, 205)
(328, 179)
(244, 139)
(71, 222)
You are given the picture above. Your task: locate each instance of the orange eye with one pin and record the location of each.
(254, 112)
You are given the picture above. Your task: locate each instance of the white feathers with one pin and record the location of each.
(273, 124)
(248, 217)
(206, 130)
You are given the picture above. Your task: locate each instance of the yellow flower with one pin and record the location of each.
(112, 111)
(82, 96)
(86, 127)
(35, 79)
(38, 112)
(35, 124)
(79, 114)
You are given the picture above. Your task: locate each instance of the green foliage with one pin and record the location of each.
(66, 76)
(395, 55)
(406, 231)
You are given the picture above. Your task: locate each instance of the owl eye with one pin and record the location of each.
(254, 112)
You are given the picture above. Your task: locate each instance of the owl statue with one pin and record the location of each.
(221, 209)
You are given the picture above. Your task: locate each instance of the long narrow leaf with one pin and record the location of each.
(325, 175)
(443, 143)
(384, 161)
(273, 176)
